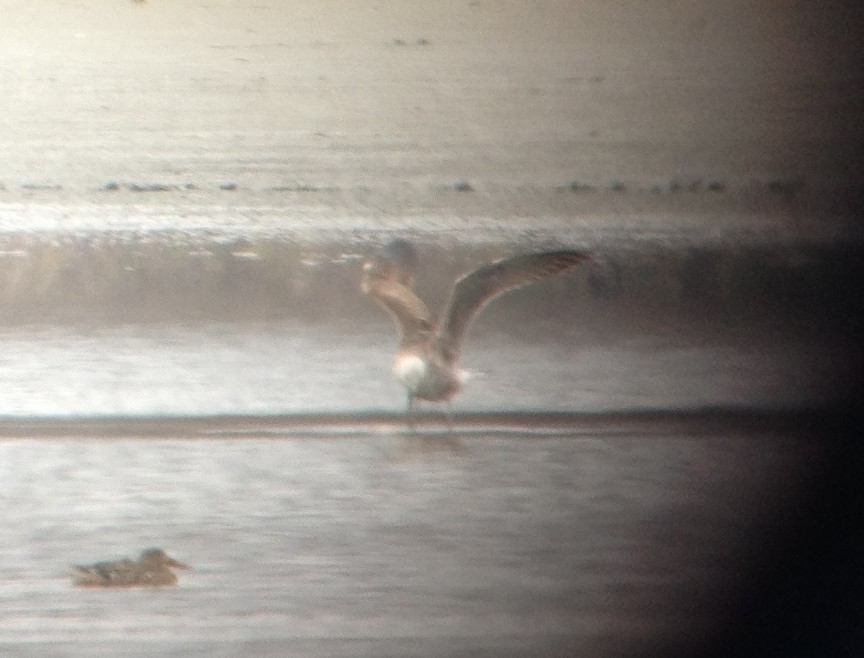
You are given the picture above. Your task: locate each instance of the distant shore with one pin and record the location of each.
(594, 216)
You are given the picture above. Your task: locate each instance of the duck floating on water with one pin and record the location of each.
(425, 363)
(152, 570)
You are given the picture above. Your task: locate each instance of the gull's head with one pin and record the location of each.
(401, 253)
(373, 269)
(395, 261)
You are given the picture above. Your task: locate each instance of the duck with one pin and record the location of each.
(153, 569)
(426, 362)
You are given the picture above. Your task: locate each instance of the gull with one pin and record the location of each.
(426, 361)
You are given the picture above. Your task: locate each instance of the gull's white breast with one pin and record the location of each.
(410, 370)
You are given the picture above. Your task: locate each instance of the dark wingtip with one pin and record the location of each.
(567, 258)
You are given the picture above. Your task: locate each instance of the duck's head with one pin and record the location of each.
(156, 557)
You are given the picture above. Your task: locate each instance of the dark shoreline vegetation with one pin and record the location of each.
(788, 188)
(170, 277)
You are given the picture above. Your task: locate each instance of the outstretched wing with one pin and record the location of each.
(476, 289)
(408, 310)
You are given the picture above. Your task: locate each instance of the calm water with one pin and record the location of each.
(588, 538)
(385, 544)
(286, 367)
(596, 537)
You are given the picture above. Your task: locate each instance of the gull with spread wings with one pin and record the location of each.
(429, 348)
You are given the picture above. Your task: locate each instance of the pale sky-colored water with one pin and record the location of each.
(290, 367)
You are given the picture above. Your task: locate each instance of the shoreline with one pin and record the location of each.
(348, 425)
(596, 218)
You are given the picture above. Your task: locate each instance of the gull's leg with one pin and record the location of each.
(449, 413)
(409, 411)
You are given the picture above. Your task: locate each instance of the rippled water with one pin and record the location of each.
(385, 544)
(501, 536)
(370, 541)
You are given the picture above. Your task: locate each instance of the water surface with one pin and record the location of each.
(390, 544)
